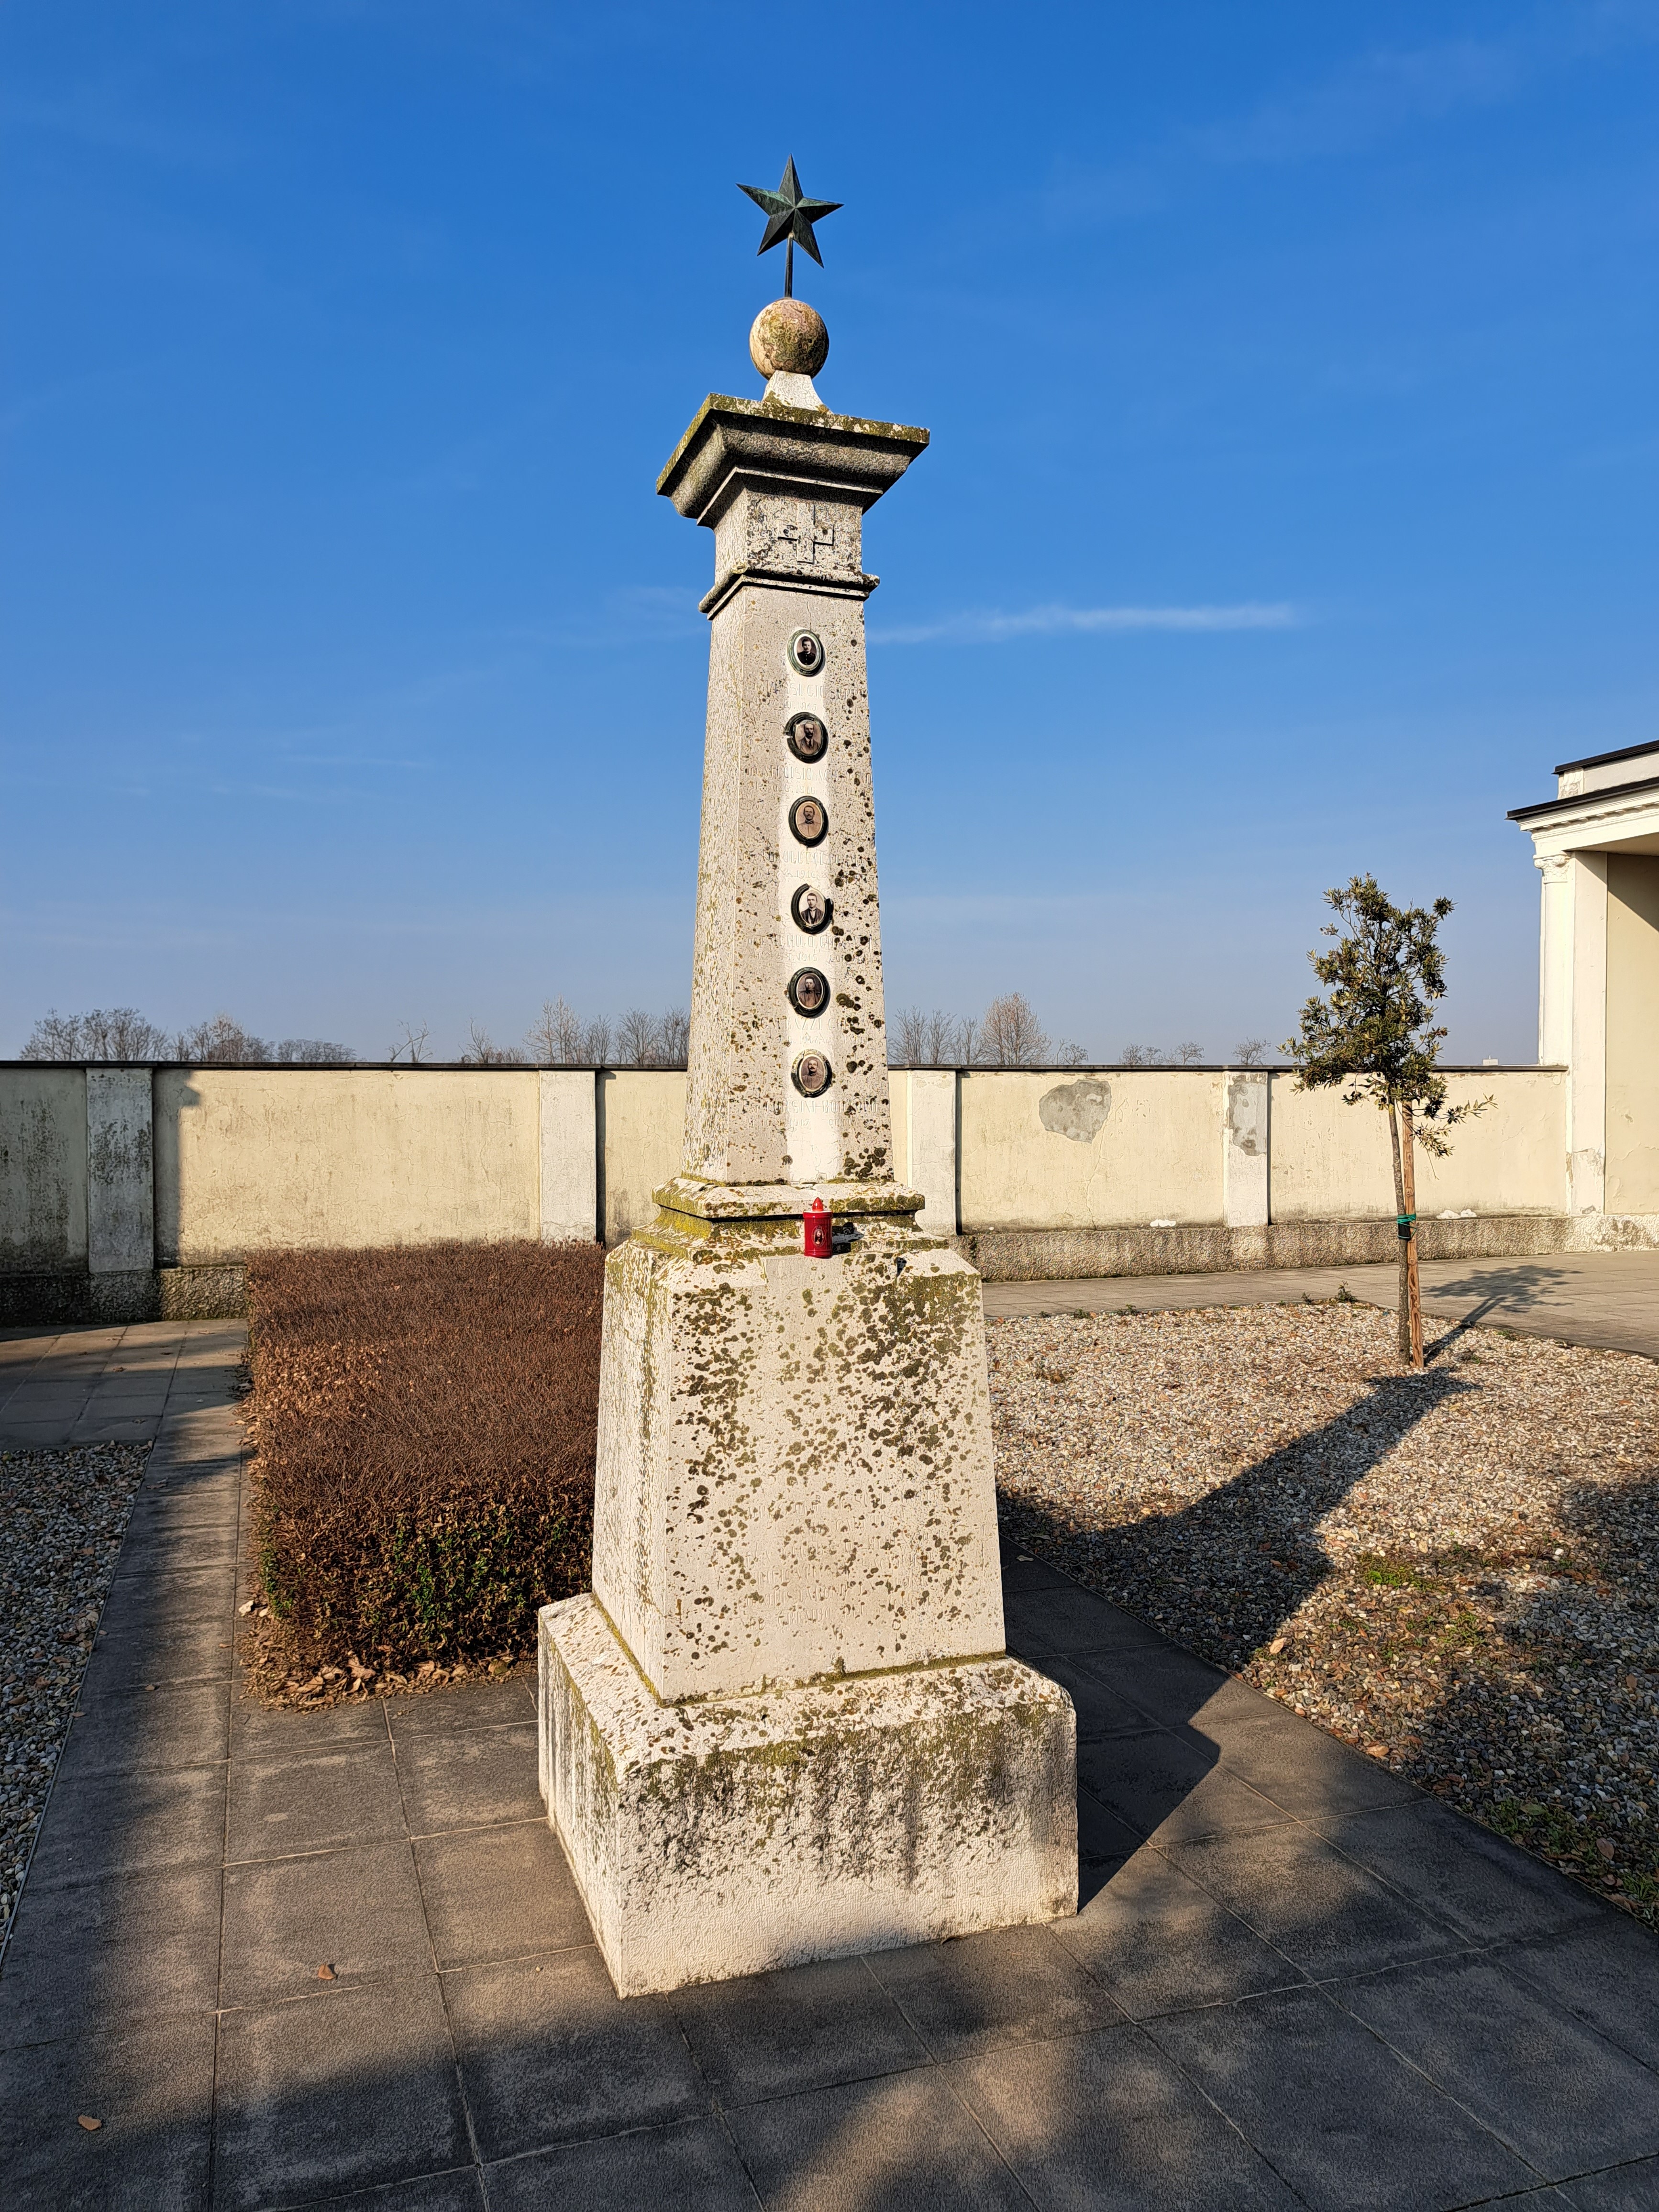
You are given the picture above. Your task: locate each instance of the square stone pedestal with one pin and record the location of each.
(728, 1835)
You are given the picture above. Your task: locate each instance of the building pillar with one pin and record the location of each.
(569, 1156)
(929, 1164)
(1244, 1149)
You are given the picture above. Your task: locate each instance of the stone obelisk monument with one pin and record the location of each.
(784, 1725)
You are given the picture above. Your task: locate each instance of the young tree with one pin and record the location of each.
(1375, 1039)
(1252, 1053)
(1190, 1055)
(412, 1041)
(673, 1036)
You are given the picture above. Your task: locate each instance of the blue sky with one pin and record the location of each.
(351, 668)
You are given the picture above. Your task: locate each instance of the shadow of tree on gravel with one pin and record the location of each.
(1222, 1574)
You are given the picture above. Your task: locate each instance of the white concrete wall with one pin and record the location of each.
(1331, 1162)
(245, 1158)
(1058, 1151)
(43, 1169)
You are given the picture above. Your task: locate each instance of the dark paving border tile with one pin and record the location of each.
(690, 2166)
(1563, 2095)
(804, 2027)
(358, 1912)
(1003, 1986)
(1109, 2123)
(1465, 1876)
(351, 2088)
(548, 2052)
(152, 2090)
(1349, 2124)
(1606, 1972)
(97, 1826)
(283, 1806)
(499, 1892)
(1633, 2188)
(127, 1947)
(1323, 1910)
(1157, 1942)
(904, 2143)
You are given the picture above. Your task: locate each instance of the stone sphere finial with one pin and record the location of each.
(788, 337)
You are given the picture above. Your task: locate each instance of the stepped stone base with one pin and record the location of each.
(728, 1836)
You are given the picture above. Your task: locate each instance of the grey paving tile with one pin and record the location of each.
(548, 2052)
(1632, 2188)
(105, 1428)
(182, 1598)
(1349, 2125)
(98, 1826)
(1164, 1783)
(1297, 1765)
(771, 2035)
(1069, 1619)
(1564, 2097)
(499, 1892)
(1463, 1874)
(1321, 1909)
(462, 1708)
(35, 1435)
(176, 1649)
(1101, 1711)
(1000, 1987)
(463, 1780)
(125, 1731)
(905, 2143)
(270, 1732)
(127, 1947)
(283, 1806)
(351, 2088)
(1606, 1972)
(174, 1551)
(690, 2166)
(358, 1912)
(1170, 1686)
(1107, 2122)
(1104, 1842)
(461, 2189)
(1157, 1942)
(150, 2089)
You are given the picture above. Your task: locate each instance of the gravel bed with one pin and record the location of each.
(1457, 1572)
(61, 1517)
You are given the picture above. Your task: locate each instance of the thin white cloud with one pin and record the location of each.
(991, 627)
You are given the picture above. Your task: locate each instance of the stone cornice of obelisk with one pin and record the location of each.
(732, 443)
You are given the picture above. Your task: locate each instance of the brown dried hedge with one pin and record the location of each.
(425, 1426)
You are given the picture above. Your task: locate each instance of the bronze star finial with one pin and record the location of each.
(790, 217)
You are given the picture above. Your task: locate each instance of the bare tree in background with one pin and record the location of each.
(487, 1054)
(105, 1033)
(596, 1043)
(925, 1040)
(1142, 1055)
(312, 1052)
(1190, 1055)
(223, 1041)
(674, 1036)
(557, 1037)
(1009, 1036)
(1069, 1055)
(1253, 1053)
(413, 1044)
(637, 1044)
